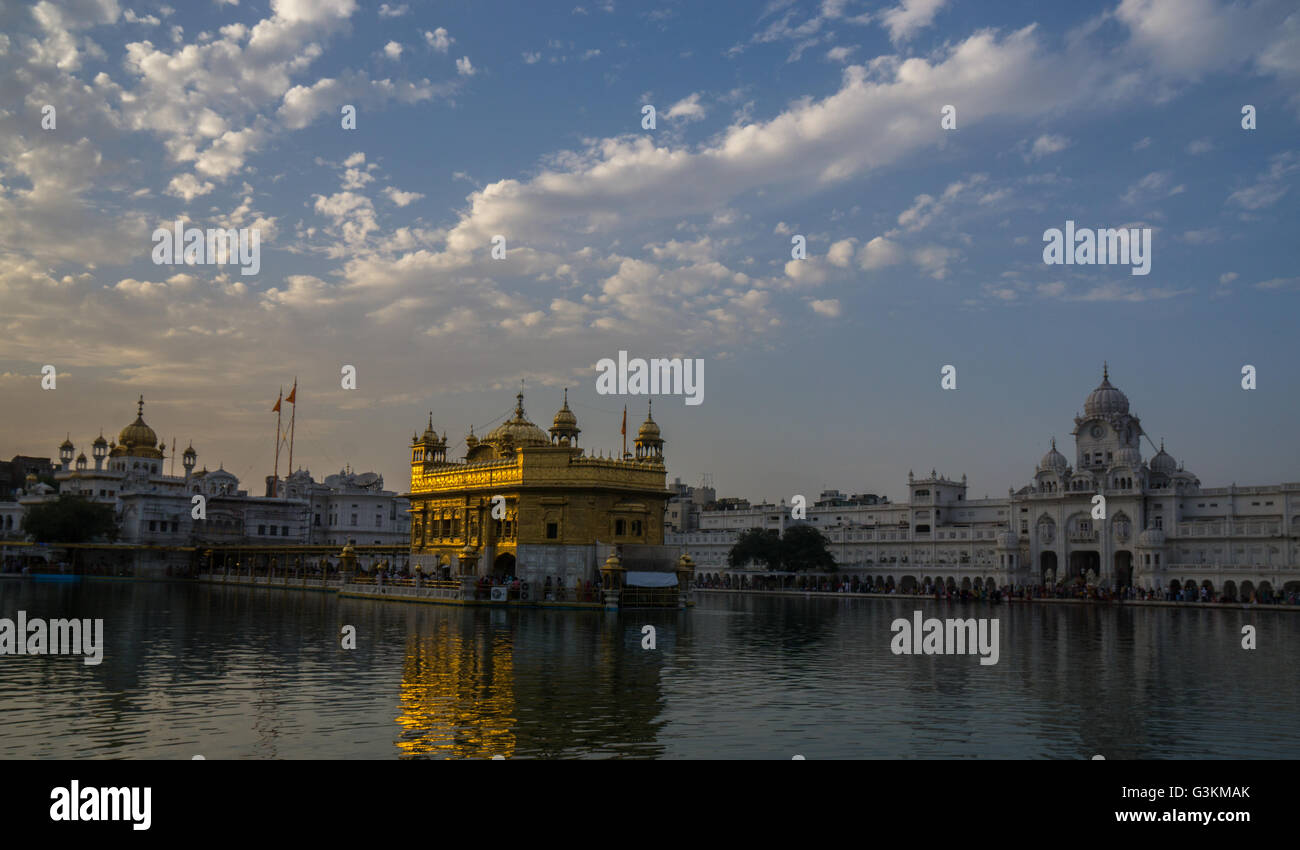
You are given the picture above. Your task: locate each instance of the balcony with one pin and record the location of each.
(1084, 537)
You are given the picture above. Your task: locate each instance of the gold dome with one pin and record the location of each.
(137, 439)
(517, 432)
(138, 434)
(565, 430)
(649, 429)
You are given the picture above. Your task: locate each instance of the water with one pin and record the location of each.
(243, 673)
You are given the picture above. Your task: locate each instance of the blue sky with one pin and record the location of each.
(924, 245)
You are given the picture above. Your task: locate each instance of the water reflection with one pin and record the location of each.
(245, 673)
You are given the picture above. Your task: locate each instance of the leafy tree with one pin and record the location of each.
(805, 548)
(70, 519)
(760, 545)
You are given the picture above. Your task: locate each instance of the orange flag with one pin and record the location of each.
(293, 392)
(276, 409)
(624, 429)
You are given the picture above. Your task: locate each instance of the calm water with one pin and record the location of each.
(244, 673)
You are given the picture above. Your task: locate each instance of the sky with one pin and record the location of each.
(822, 120)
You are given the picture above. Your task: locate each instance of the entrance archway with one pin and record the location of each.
(504, 565)
(1123, 568)
(1081, 562)
(1047, 561)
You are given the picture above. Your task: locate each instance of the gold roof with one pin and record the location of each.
(518, 431)
(137, 439)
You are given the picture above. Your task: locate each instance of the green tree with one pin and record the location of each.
(805, 548)
(70, 519)
(760, 545)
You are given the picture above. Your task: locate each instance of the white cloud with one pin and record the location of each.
(439, 40)
(387, 11)
(910, 17)
(531, 57)
(464, 67)
(879, 253)
(393, 50)
(830, 307)
(687, 109)
(401, 198)
(840, 253)
(840, 54)
(1153, 186)
(1200, 146)
(1046, 145)
(188, 187)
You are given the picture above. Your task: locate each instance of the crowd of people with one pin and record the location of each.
(1060, 590)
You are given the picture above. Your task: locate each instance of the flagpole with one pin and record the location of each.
(276, 474)
(293, 418)
(624, 457)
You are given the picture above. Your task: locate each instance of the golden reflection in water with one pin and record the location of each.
(457, 696)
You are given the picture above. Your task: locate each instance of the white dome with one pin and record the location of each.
(1162, 462)
(1128, 456)
(1054, 460)
(1106, 400)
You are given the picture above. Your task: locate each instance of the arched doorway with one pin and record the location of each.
(1230, 590)
(504, 565)
(1081, 562)
(1123, 568)
(1047, 561)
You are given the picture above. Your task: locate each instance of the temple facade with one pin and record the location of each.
(1154, 526)
(531, 504)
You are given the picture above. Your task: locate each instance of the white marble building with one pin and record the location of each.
(155, 510)
(1161, 527)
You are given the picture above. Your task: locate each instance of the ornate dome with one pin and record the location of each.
(517, 432)
(100, 441)
(138, 434)
(649, 429)
(1163, 463)
(67, 444)
(1128, 456)
(1106, 400)
(1054, 460)
(564, 418)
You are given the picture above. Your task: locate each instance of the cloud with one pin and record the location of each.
(1270, 186)
(841, 253)
(840, 54)
(1047, 145)
(387, 11)
(531, 58)
(393, 50)
(439, 40)
(1200, 146)
(1153, 186)
(879, 253)
(829, 307)
(910, 17)
(687, 109)
(401, 198)
(464, 67)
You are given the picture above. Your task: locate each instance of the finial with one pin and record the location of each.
(1162, 444)
(650, 408)
(430, 420)
(566, 396)
(1105, 371)
(139, 410)
(1053, 444)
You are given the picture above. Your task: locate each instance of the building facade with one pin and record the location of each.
(534, 505)
(156, 511)
(1154, 526)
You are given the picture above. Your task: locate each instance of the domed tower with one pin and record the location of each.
(99, 450)
(649, 443)
(81, 462)
(564, 430)
(1052, 470)
(188, 459)
(65, 453)
(516, 433)
(137, 439)
(1106, 431)
(429, 448)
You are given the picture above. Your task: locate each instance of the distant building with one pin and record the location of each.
(155, 510)
(1161, 528)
